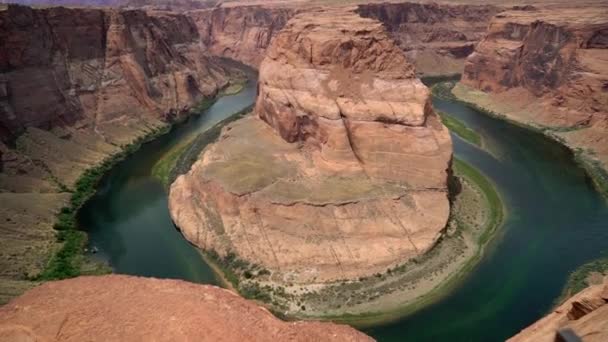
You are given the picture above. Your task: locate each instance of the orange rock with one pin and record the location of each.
(124, 308)
(344, 176)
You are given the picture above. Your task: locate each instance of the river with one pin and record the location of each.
(555, 222)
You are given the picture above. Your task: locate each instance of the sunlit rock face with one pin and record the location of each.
(342, 170)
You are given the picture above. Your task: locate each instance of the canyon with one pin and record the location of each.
(150, 309)
(547, 68)
(349, 177)
(77, 86)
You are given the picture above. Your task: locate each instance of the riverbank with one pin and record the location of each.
(163, 168)
(71, 260)
(586, 157)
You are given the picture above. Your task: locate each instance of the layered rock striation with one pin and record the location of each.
(113, 308)
(98, 67)
(547, 68)
(348, 173)
(241, 32)
(436, 37)
(585, 314)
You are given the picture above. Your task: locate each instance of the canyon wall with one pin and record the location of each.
(348, 175)
(241, 33)
(77, 85)
(124, 308)
(547, 68)
(586, 314)
(436, 37)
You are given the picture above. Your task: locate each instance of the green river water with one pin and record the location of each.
(555, 222)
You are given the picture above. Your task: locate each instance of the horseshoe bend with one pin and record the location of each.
(418, 171)
(348, 175)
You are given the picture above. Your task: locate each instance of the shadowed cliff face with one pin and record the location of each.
(61, 66)
(348, 175)
(547, 68)
(240, 33)
(437, 38)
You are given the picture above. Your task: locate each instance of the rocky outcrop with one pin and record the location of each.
(241, 33)
(546, 68)
(76, 85)
(348, 173)
(436, 37)
(113, 308)
(586, 314)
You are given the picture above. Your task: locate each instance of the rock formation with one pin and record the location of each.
(586, 314)
(436, 37)
(123, 308)
(547, 68)
(348, 173)
(241, 33)
(75, 86)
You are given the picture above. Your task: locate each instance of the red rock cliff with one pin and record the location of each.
(241, 33)
(60, 66)
(547, 68)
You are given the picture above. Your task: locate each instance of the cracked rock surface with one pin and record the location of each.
(342, 170)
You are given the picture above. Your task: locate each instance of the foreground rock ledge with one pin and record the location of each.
(586, 314)
(343, 171)
(124, 308)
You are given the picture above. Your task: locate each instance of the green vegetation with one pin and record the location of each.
(69, 260)
(233, 88)
(495, 205)
(594, 169)
(579, 279)
(163, 167)
(190, 154)
(460, 129)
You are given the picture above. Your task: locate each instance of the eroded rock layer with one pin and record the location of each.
(436, 37)
(586, 314)
(348, 170)
(547, 68)
(123, 308)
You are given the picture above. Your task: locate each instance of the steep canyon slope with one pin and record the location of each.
(123, 308)
(76, 86)
(548, 68)
(348, 176)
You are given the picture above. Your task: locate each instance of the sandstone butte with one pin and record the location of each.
(586, 313)
(547, 68)
(348, 175)
(75, 86)
(124, 308)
